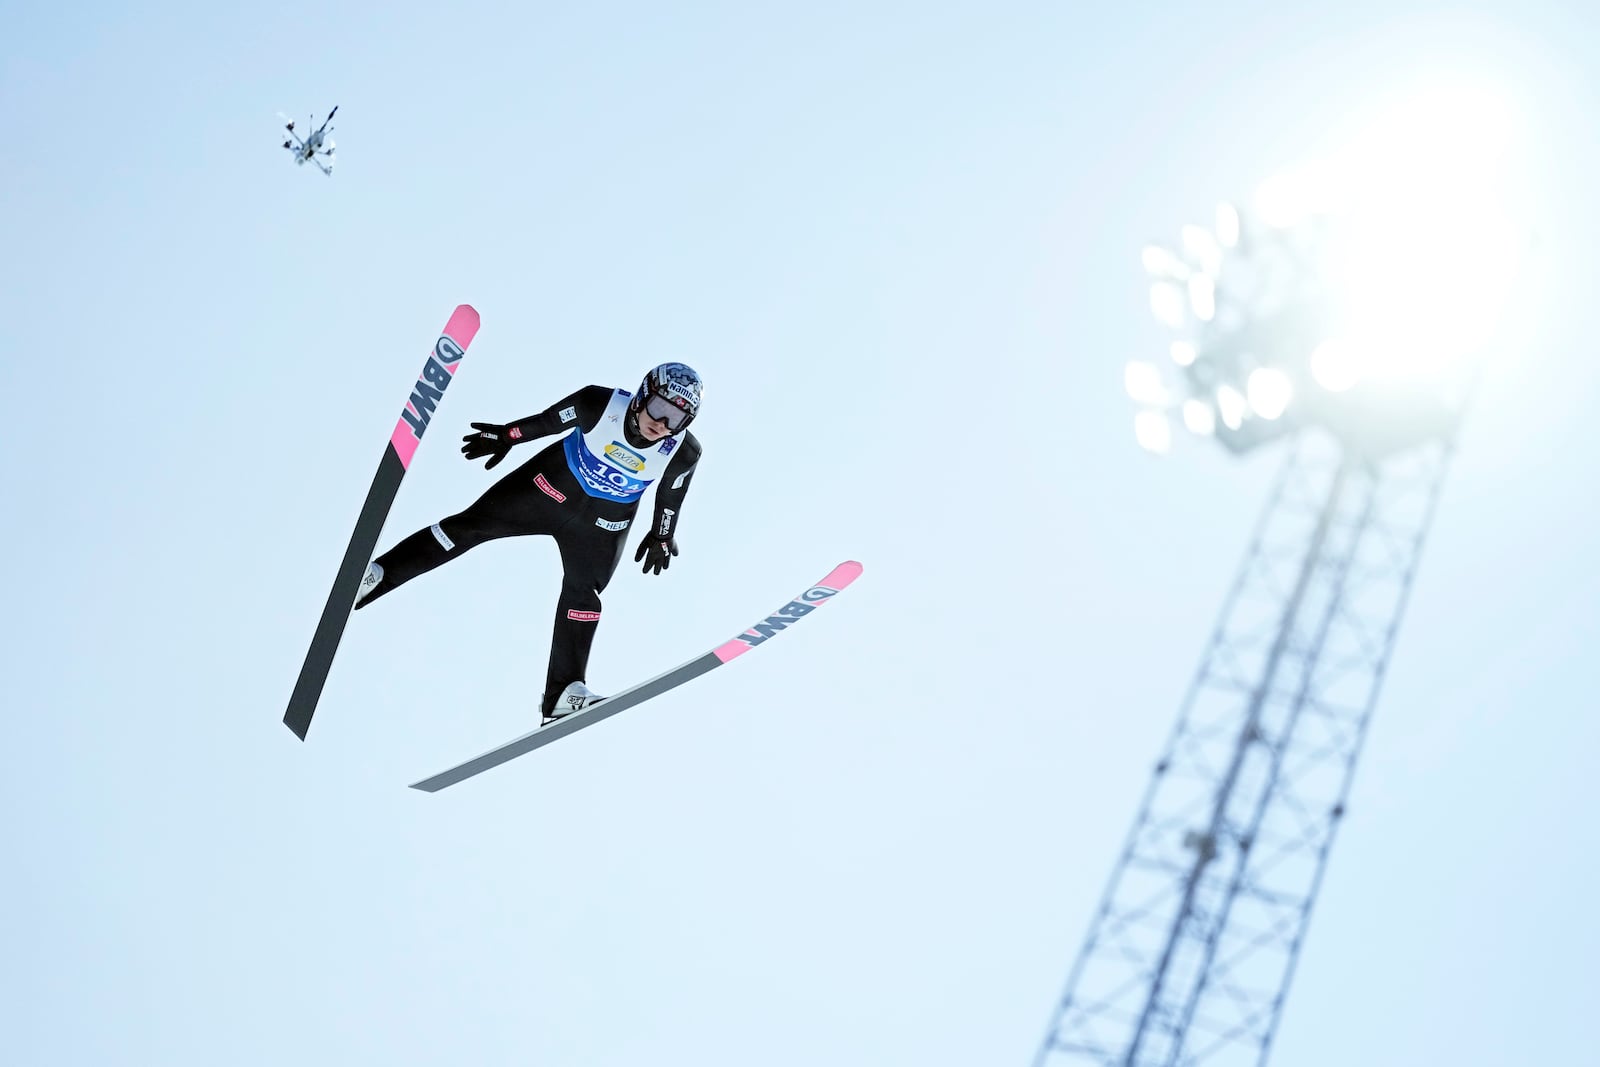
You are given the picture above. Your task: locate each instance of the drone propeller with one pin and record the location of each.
(327, 120)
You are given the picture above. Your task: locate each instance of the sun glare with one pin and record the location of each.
(1391, 260)
(1422, 249)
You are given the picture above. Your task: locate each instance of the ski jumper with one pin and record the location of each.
(583, 491)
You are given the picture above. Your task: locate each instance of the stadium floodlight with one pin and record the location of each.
(1279, 202)
(1201, 246)
(1269, 392)
(1143, 382)
(1153, 431)
(1203, 296)
(1167, 301)
(1351, 306)
(1162, 262)
(1335, 366)
(1288, 199)
(1227, 225)
(1199, 417)
(1232, 405)
(1365, 285)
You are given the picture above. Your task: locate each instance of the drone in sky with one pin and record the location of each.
(316, 147)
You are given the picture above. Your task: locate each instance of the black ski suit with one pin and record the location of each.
(544, 496)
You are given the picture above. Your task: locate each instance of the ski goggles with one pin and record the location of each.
(663, 410)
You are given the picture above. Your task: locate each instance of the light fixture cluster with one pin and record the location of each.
(1212, 290)
(1359, 293)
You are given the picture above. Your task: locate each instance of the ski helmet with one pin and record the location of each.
(671, 393)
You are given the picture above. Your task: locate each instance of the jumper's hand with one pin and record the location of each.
(489, 439)
(656, 554)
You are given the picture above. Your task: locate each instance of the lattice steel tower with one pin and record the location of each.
(1191, 952)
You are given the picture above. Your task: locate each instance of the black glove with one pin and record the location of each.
(656, 554)
(491, 439)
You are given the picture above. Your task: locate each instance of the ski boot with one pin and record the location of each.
(369, 582)
(574, 697)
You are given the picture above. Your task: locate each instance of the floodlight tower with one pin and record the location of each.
(1191, 952)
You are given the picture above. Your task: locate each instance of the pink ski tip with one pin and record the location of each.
(447, 353)
(463, 325)
(843, 574)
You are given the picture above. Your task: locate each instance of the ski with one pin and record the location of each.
(426, 392)
(769, 627)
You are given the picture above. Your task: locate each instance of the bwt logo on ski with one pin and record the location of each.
(787, 615)
(430, 387)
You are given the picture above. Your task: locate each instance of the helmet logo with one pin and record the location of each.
(676, 385)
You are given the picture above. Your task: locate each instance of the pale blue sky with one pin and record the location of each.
(878, 842)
